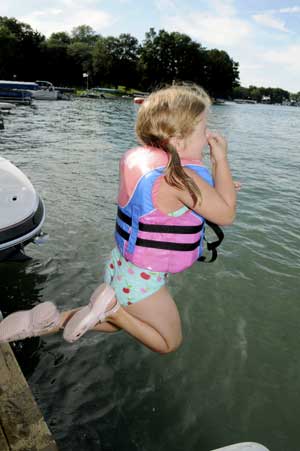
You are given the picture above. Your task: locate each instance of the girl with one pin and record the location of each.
(164, 195)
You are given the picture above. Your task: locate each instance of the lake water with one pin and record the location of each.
(237, 375)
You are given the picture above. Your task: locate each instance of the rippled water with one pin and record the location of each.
(236, 376)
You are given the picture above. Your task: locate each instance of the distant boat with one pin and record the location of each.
(14, 92)
(244, 101)
(139, 100)
(218, 101)
(45, 91)
(40, 90)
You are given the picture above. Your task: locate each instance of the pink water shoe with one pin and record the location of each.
(96, 311)
(29, 323)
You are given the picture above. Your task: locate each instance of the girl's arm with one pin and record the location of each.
(219, 202)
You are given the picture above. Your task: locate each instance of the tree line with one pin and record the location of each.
(161, 58)
(259, 94)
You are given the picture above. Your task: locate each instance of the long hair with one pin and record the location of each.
(172, 112)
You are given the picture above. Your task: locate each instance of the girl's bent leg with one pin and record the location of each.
(154, 321)
(67, 315)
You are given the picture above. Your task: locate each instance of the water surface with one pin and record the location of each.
(236, 376)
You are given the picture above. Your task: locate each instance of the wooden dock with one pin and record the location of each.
(22, 426)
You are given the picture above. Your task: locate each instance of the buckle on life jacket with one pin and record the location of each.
(212, 246)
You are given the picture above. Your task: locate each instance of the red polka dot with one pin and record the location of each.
(119, 262)
(129, 303)
(111, 266)
(126, 290)
(145, 276)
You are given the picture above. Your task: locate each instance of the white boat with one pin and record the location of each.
(22, 212)
(21, 91)
(45, 94)
(246, 446)
(46, 91)
(16, 92)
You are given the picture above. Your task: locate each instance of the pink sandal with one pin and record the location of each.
(95, 312)
(29, 323)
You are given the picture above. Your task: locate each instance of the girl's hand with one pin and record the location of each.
(217, 145)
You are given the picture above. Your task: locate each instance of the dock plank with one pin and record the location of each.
(3, 442)
(23, 426)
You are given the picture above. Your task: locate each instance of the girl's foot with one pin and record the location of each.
(102, 304)
(29, 323)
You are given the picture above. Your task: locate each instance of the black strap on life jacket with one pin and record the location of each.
(167, 245)
(212, 246)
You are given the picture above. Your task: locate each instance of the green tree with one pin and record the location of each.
(61, 38)
(115, 60)
(8, 48)
(84, 34)
(60, 67)
(105, 57)
(82, 54)
(221, 73)
(165, 57)
(25, 45)
(239, 92)
(128, 60)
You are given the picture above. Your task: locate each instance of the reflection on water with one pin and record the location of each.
(236, 376)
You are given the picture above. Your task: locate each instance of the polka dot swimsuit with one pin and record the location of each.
(131, 283)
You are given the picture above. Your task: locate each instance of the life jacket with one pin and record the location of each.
(146, 236)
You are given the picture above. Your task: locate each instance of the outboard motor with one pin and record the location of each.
(22, 212)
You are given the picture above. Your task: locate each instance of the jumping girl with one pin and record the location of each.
(165, 196)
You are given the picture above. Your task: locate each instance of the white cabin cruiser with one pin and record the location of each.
(46, 91)
(22, 212)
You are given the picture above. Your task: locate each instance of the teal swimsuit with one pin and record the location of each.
(131, 283)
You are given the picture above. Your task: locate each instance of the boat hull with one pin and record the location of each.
(14, 238)
(42, 94)
(15, 96)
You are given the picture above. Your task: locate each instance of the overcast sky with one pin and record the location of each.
(262, 35)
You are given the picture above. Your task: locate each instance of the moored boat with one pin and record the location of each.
(16, 96)
(45, 91)
(22, 212)
(17, 90)
(139, 100)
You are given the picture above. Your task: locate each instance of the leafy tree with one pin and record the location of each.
(61, 66)
(239, 92)
(82, 54)
(165, 57)
(25, 44)
(84, 34)
(8, 48)
(105, 58)
(61, 38)
(221, 73)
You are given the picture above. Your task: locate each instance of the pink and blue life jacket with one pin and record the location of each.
(146, 236)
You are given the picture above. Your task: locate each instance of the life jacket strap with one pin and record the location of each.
(212, 246)
(183, 230)
(167, 245)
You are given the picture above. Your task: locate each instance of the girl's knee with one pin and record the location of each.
(172, 346)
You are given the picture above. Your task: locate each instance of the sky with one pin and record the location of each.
(263, 36)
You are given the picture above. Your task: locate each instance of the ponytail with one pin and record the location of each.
(176, 175)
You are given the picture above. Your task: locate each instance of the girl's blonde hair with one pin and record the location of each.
(172, 112)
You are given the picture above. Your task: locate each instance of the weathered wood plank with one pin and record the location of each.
(20, 417)
(3, 442)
